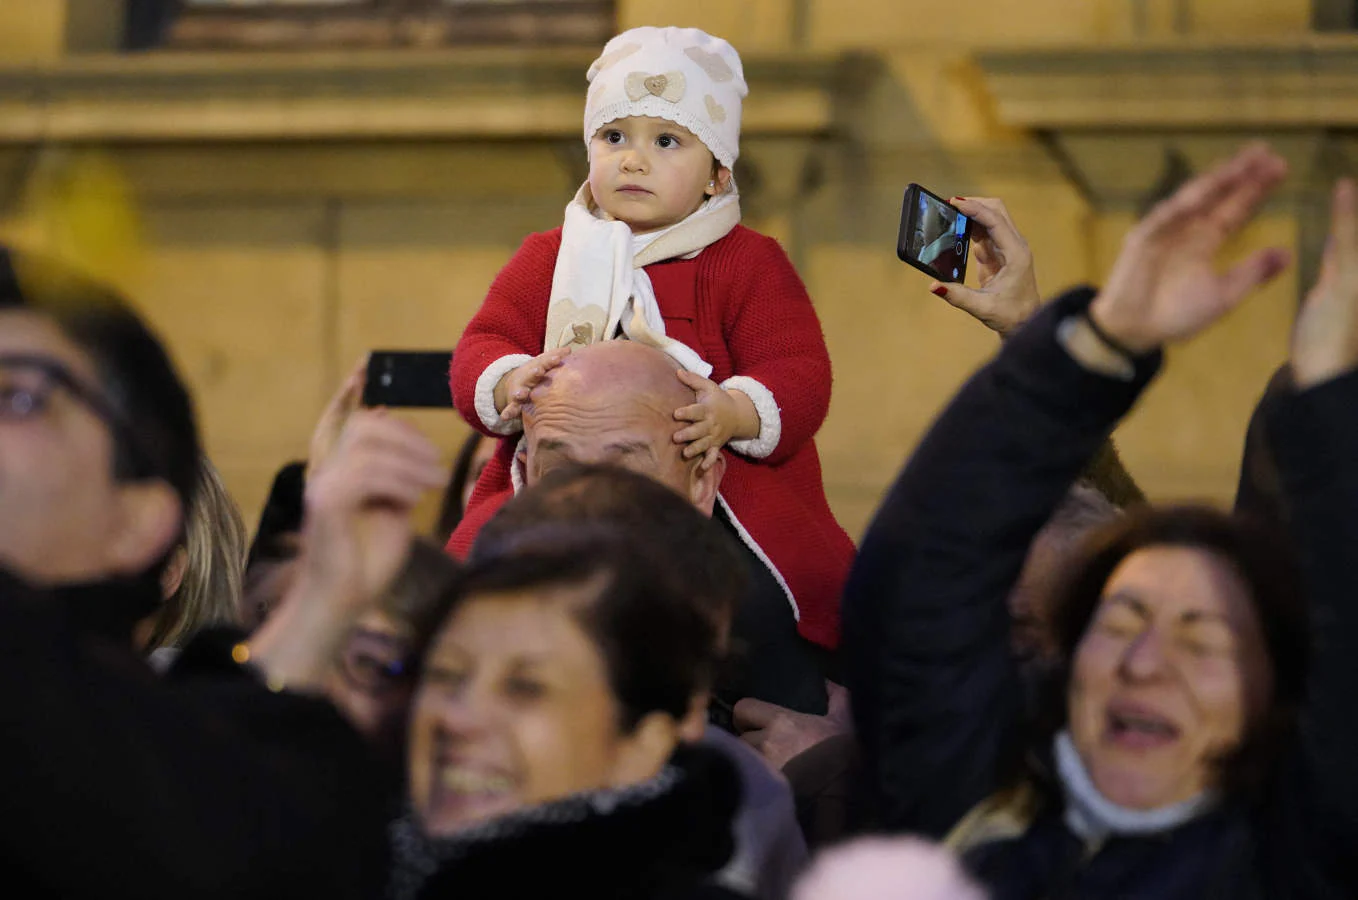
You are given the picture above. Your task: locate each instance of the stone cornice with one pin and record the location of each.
(465, 94)
(1301, 82)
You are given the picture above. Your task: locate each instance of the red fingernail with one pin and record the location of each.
(938, 290)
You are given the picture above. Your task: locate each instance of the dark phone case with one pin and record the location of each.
(909, 208)
(408, 378)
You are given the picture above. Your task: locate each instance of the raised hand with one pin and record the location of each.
(333, 418)
(1007, 295)
(513, 390)
(355, 539)
(1325, 340)
(1165, 286)
(357, 529)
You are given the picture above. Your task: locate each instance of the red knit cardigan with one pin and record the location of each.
(742, 307)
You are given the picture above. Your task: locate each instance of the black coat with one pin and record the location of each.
(114, 783)
(664, 840)
(937, 692)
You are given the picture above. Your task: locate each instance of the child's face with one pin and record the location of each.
(650, 173)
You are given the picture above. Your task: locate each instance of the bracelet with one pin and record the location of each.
(1109, 341)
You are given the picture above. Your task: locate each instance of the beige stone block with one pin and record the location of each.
(933, 27)
(898, 352)
(491, 173)
(240, 294)
(1250, 18)
(947, 92)
(32, 30)
(749, 24)
(47, 29)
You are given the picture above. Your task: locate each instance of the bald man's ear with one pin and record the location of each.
(704, 485)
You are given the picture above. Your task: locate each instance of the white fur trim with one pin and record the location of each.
(485, 394)
(770, 418)
(758, 551)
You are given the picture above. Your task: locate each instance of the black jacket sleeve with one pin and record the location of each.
(1314, 436)
(114, 782)
(936, 690)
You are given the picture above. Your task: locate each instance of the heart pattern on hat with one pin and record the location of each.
(669, 86)
(715, 109)
(612, 58)
(710, 63)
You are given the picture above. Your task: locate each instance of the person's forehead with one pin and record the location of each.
(532, 623)
(595, 414)
(25, 333)
(1177, 581)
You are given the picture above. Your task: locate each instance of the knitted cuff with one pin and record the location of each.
(485, 394)
(770, 420)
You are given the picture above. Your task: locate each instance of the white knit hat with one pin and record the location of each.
(680, 74)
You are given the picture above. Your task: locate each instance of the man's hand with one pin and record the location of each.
(719, 416)
(779, 734)
(1325, 340)
(355, 539)
(357, 528)
(512, 392)
(1164, 286)
(1008, 295)
(331, 424)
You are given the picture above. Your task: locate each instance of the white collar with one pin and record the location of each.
(1093, 817)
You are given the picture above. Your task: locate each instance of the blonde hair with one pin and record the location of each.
(214, 546)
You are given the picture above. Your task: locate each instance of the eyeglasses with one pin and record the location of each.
(375, 662)
(26, 385)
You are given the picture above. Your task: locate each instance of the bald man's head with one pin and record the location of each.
(613, 403)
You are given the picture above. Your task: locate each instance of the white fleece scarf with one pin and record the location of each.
(600, 289)
(1093, 817)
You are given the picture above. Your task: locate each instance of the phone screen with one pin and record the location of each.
(405, 378)
(935, 236)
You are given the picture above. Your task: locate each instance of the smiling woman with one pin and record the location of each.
(546, 727)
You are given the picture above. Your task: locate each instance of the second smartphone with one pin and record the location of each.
(935, 236)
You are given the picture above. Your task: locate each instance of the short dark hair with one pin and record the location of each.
(159, 434)
(422, 593)
(1261, 556)
(658, 647)
(715, 575)
(281, 517)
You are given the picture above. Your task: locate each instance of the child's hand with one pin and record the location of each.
(513, 390)
(718, 417)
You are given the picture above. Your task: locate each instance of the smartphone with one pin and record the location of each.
(935, 236)
(410, 378)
